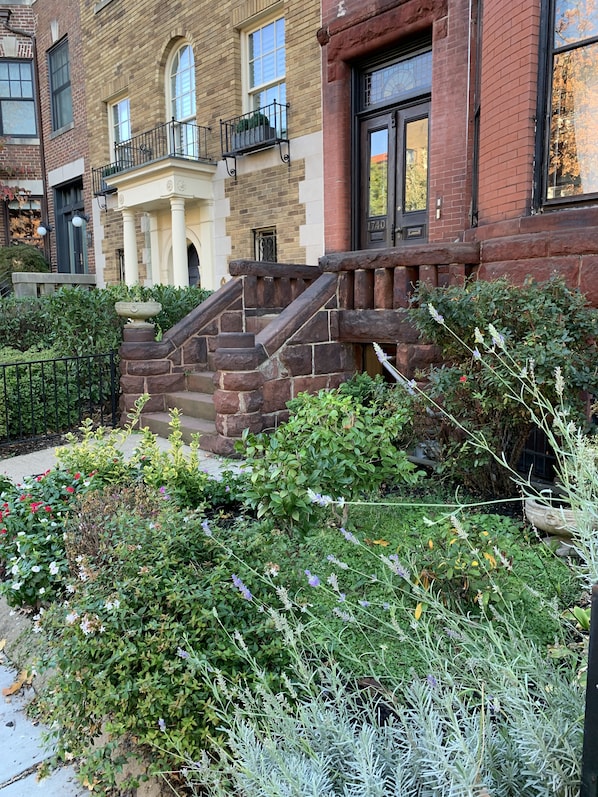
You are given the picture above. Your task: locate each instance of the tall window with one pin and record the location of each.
(572, 163)
(120, 121)
(120, 131)
(60, 85)
(182, 100)
(266, 65)
(17, 106)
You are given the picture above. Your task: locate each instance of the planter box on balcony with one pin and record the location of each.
(252, 138)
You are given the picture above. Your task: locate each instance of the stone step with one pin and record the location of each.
(192, 404)
(158, 423)
(200, 382)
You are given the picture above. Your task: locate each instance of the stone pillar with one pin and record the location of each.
(130, 247)
(154, 240)
(180, 274)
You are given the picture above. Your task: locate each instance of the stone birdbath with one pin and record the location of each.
(137, 312)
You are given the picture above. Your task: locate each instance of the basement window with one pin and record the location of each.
(264, 244)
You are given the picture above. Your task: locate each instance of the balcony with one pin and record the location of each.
(169, 140)
(257, 130)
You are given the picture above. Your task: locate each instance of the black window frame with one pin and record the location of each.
(58, 90)
(547, 53)
(28, 62)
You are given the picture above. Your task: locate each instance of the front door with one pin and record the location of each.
(394, 177)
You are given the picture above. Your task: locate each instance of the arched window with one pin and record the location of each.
(182, 100)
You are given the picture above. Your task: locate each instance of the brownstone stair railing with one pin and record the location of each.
(276, 330)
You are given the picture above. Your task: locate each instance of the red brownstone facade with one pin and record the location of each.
(485, 155)
(21, 185)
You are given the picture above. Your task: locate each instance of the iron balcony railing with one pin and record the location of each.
(169, 140)
(255, 130)
(47, 397)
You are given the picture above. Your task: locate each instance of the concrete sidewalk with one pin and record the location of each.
(22, 750)
(17, 468)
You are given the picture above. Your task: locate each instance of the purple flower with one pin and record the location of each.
(312, 580)
(431, 681)
(164, 493)
(393, 562)
(242, 588)
(161, 724)
(206, 528)
(348, 536)
(435, 314)
(182, 653)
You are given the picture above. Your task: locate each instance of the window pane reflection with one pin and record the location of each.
(378, 173)
(416, 165)
(573, 165)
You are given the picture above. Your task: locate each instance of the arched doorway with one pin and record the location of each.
(193, 266)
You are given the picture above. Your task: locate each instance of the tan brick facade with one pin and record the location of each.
(127, 54)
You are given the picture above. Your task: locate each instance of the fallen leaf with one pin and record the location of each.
(2, 643)
(383, 543)
(23, 678)
(418, 610)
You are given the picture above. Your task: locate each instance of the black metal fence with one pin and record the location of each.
(169, 140)
(47, 397)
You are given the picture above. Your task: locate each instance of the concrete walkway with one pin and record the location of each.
(22, 750)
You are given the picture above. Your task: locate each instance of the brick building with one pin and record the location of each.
(186, 174)
(21, 184)
(65, 141)
(476, 122)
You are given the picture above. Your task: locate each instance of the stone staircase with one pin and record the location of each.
(276, 330)
(196, 403)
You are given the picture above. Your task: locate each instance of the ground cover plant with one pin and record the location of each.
(404, 643)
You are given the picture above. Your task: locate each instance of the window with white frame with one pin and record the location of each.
(120, 122)
(265, 64)
(182, 101)
(17, 106)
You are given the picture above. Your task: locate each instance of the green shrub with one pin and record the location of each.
(149, 588)
(542, 325)
(80, 321)
(22, 257)
(24, 323)
(330, 445)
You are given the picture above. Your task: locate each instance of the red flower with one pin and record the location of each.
(48, 508)
(77, 476)
(463, 378)
(70, 489)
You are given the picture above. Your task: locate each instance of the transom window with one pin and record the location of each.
(266, 65)
(60, 85)
(395, 82)
(17, 106)
(572, 158)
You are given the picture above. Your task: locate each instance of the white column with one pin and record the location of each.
(179, 243)
(154, 239)
(130, 248)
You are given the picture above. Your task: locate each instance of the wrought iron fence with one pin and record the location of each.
(169, 140)
(42, 398)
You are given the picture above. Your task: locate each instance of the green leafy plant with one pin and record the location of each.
(22, 257)
(32, 554)
(330, 445)
(543, 325)
(250, 122)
